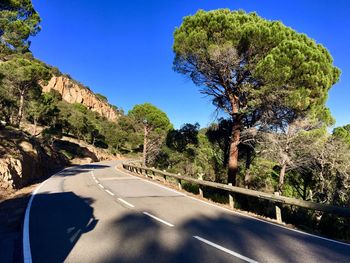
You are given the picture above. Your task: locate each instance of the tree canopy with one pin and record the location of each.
(343, 133)
(22, 75)
(150, 115)
(155, 124)
(18, 21)
(260, 72)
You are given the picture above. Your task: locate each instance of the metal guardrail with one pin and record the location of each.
(342, 211)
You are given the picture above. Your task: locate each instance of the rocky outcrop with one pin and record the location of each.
(23, 160)
(73, 92)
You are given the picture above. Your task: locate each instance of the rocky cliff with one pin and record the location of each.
(73, 92)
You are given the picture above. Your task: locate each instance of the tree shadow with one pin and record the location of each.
(141, 239)
(57, 232)
(11, 222)
(71, 171)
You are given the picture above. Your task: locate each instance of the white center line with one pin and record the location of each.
(125, 202)
(100, 185)
(109, 192)
(225, 250)
(95, 181)
(158, 219)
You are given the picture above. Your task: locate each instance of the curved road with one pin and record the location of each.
(95, 213)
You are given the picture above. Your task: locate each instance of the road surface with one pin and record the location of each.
(95, 213)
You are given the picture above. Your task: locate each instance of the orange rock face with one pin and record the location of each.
(72, 92)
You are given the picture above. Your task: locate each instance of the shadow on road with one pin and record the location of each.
(141, 239)
(81, 169)
(11, 219)
(58, 231)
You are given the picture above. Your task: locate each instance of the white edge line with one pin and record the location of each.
(242, 214)
(270, 223)
(237, 255)
(109, 192)
(158, 219)
(27, 254)
(125, 202)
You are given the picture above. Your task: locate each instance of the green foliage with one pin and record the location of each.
(150, 115)
(265, 61)
(18, 21)
(189, 152)
(179, 139)
(23, 73)
(101, 97)
(8, 104)
(343, 133)
(260, 72)
(22, 76)
(44, 111)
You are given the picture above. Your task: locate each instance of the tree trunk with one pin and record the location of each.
(281, 177)
(233, 158)
(20, 108)
(145, 142)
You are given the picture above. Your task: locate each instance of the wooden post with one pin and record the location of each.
(153, 173)
(179, 182)
(200, 177)
(230, 198)
(164, 176)
(278, 210)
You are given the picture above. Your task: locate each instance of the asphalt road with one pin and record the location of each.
(95, 213)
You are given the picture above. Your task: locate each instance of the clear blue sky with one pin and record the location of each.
(123, 49)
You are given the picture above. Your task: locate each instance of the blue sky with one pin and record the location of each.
(123, 49)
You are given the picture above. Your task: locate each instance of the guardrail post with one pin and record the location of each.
(179, 182)
(200, 177)
(230, 199)
(153, 173)
(164, 176)
(278, 210)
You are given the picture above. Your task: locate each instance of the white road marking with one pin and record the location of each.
(242, 214)
(237, 255)
(92, 174)
(117, 178)
(267, 222)
(158, 219)
(96, 181)
(100, 185)
(109, 192)
(125, 202)
(27, 254)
